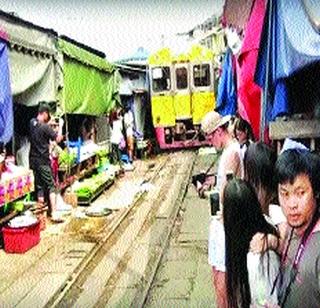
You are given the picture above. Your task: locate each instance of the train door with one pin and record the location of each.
(202, 87)
(182, 94)
(163, 113)
(182, 101)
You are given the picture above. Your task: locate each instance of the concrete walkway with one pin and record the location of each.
(184, 277)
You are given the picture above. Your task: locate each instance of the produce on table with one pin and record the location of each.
(66, 159)
(87, 188)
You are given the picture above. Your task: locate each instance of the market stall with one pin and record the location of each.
(135, 96)
(90, 89)
(34, 69)
(15, 181)
(35, 75)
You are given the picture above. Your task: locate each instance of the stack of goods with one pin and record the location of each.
(103, 161)
(82, 151)
(15, 183)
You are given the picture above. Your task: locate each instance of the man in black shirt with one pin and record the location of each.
(40, 135)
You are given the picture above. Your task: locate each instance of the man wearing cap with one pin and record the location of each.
(216, 130)
(40, 135)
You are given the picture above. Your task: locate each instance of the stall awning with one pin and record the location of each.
(91, 84)
(84, 56)
(34, 71)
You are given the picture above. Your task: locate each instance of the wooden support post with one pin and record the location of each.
(312, 144)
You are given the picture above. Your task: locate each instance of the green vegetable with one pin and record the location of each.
(66, 159)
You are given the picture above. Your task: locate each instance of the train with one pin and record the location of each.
(182, 92)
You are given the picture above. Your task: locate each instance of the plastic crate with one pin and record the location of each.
(20, 240)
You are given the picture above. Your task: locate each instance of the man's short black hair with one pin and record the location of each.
(44, 107)
(292, 163)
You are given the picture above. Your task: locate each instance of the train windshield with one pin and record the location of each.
(201, 75)
(181, 78)
(161, 79)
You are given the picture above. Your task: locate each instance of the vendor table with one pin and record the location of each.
(76, 172)
(96, 194)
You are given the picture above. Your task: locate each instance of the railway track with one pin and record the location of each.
(122, 266)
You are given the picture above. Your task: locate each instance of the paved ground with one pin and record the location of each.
(120, 275)
(184, 278)
(32, 278)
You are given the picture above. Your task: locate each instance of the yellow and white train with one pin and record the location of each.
(182, 92)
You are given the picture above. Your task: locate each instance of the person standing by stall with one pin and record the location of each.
(116, 138)
(129, 125)
(40, 135)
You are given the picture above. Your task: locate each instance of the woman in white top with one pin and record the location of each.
(243, 133)
(116, 136)
(249, 277)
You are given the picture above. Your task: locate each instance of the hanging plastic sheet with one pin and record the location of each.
(249, 94)
(35, 74)
(33, 78)
(227, 92)
(293, 43)
(280, 106)
(139, 112)
(6, 111)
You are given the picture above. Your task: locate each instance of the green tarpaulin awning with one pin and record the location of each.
(91, 84)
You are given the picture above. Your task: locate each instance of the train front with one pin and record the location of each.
(181, 94)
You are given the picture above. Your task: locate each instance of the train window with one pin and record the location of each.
(161, 79)
(201, 75)
(181, 78)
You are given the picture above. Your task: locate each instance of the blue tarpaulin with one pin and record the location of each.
(6, 110)
(293, 43)
(227, 93)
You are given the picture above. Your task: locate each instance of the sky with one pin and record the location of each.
(116, 27)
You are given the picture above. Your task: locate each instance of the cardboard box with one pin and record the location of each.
(70, 198)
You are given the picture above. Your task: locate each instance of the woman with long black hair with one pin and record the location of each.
(249, 277)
